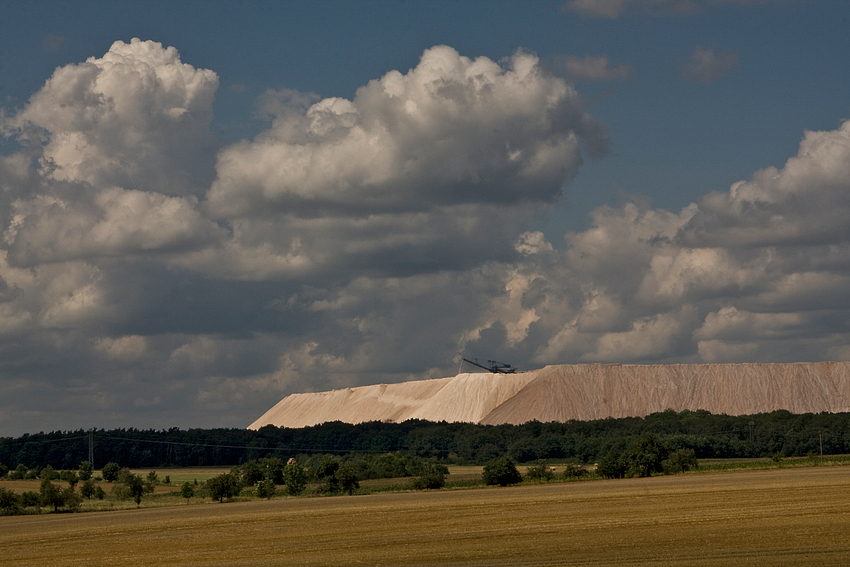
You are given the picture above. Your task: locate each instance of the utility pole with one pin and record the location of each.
(91, 447)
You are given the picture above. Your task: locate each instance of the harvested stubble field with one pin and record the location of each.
(766, 517)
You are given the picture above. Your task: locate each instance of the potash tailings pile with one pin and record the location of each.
(579, 391)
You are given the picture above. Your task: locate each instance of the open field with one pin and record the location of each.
(786, 516)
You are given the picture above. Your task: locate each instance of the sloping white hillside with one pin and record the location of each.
(579, 391)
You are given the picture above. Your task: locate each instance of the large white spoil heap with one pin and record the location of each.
(581, 392)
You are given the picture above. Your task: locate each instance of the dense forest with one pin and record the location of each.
(710, 436)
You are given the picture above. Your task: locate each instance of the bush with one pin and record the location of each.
(187, 490)
(433, 476)
(326, 472)
(502, 472)
(680, 460)
(222, 486)
(87, 488)
(612, 465)
(10, 503)
(86, 470)
(264, 489)
(129, 485)
(646, 455)
(50, 495)
(574, 471)
(47, 473)
(347, 478)
(295, 478)
(541, 472)
(110, 472)
(71, 500)
(30, 499)
(70, 477)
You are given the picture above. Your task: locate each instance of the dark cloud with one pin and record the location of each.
(149, 278)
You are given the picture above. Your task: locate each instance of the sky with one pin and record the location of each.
(207, 206)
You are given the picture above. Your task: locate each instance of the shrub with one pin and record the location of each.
(10, 503)
(347, 478)
(222, 486)
(50, 495)
(87, 488)
(295, 478)
(612, 465)
(326, 472)
(502, 472)
(47, 473)
(30, 499)
(541, 472)
(680, 460)
(433, 476)
(187, 490)
(71, 500)
(110, 472)
(574, 471)
(264, 489)
(646, 455)
(70, 477)
(85, 470)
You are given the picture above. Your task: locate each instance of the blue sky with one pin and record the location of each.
(298, 220)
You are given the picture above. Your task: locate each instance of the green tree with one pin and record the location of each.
(134, 483)
(541, 472)
(71, 500)
(70, 477)
(612, 465)
(681, 460)
(326, 472)
(295, 478)
(264, 489)
(222, 486)
(502, 471)
(30, 499)
(433, 476)
(646, 455)
(85, 470)
(50, 495)
(574, 471)
(10, 503)
(47, 473)
(110, 472)
(347, 478)
(273, 469)
(87, 488)
(150, 482)
(248, 473)
(187, 490)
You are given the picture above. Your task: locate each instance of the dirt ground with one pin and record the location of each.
(765, 517)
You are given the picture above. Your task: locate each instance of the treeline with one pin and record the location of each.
(708, 435)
